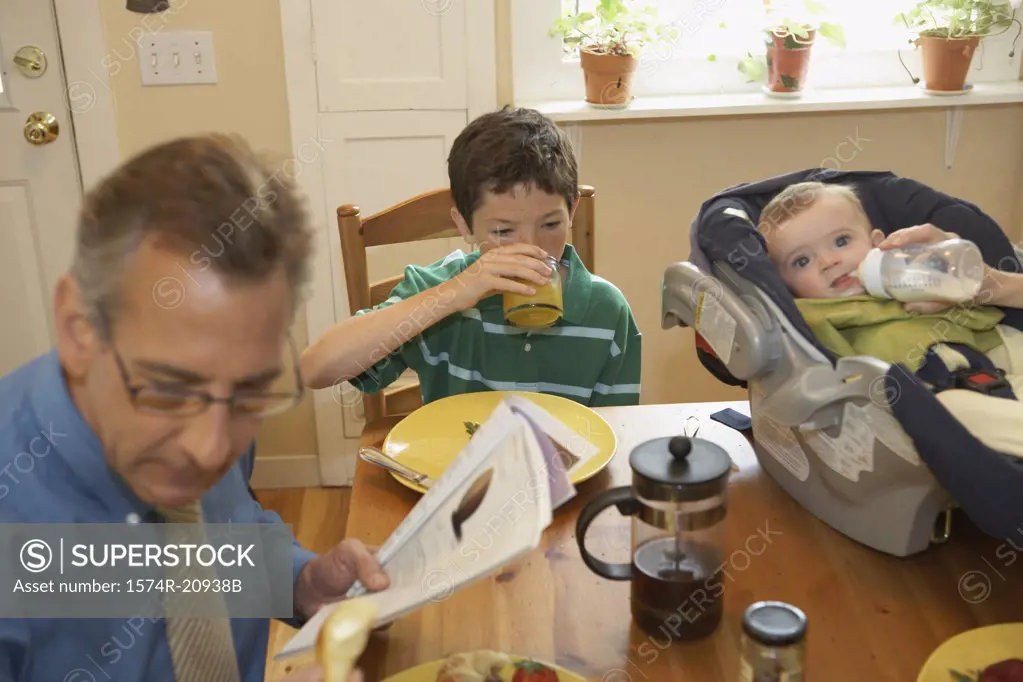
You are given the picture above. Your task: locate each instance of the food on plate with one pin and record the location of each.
(470, 427)
(1009, 670)
(475, 666)
(533, 671)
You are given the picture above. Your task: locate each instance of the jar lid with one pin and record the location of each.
(774, 623)
(679, 468)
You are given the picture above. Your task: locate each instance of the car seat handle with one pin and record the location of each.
(814, 397)
(743, 341)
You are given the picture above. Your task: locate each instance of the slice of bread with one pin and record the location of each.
(343, 638)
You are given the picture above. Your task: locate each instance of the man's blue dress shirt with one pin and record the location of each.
(53, 470)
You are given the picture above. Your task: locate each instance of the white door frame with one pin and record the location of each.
(87, 88)
(328, 303)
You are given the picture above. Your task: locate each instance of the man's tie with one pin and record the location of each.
(202, 648)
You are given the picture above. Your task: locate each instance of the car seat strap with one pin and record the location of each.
(981, 376)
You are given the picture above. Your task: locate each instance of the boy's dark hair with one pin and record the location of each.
(505, 148)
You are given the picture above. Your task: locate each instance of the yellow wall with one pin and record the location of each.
(650, 176)
(249, 99)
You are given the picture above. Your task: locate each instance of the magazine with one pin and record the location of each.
(488, 508)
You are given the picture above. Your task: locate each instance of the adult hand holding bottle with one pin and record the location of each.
(1000, 287)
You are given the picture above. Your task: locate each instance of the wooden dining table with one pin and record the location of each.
(871, 616)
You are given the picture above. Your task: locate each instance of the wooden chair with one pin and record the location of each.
(427, 216)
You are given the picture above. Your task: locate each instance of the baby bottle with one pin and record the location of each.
(951, 271)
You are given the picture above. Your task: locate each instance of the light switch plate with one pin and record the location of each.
(177, 58)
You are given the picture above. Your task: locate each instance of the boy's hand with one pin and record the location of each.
(515, 268)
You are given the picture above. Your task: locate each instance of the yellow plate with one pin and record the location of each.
(971, 651)
(427, 672)
(430, 438)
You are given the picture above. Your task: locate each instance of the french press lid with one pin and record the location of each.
(679, 469)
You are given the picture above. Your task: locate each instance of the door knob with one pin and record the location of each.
(31, 61)
(41, 128)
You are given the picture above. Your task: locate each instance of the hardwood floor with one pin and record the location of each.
(317, 517)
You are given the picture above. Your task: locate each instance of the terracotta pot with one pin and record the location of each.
(947, 61)
(608, 78)
(788, 61)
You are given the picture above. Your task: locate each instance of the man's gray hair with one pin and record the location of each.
(211, 197)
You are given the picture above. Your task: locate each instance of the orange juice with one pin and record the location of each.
(542, 309)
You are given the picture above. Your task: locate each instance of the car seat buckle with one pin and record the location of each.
(986, 381)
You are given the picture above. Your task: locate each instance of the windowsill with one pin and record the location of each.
(757, 103)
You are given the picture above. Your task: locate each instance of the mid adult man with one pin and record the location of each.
(171, 346)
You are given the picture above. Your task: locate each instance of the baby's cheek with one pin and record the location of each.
(805, 285)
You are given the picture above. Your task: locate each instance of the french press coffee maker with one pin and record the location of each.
(677, 504)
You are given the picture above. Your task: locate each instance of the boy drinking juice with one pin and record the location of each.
(543, 308)
(514, 182)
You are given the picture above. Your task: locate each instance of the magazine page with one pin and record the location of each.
(469, 460)
(573, 449)
(490, 507)
(495, 517)
(558, 469)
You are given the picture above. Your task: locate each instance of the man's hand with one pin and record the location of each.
(920, 235)
(328, 577)
(501, 269)
(314, 673)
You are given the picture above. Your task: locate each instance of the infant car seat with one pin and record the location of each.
(862, 444)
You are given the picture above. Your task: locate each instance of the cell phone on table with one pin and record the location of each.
(734, 419)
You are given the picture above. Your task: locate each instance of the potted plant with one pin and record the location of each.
(948, 32)
(609, 41)
(788, 43)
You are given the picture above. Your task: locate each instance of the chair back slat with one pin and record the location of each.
(380, 291)
(583, 230)
(427, 216)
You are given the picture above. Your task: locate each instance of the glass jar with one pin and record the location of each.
(773, 643)
(542, 309)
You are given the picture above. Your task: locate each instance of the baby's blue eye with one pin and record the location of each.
(502, 232)
(801, 262)
(552, 225)
(841, 241)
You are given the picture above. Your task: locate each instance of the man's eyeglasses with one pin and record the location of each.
(181, 401)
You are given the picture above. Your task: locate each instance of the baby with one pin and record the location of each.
(818, 234)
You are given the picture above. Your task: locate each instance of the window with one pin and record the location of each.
(713, 37)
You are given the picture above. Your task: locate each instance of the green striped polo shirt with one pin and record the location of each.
(592, 355)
